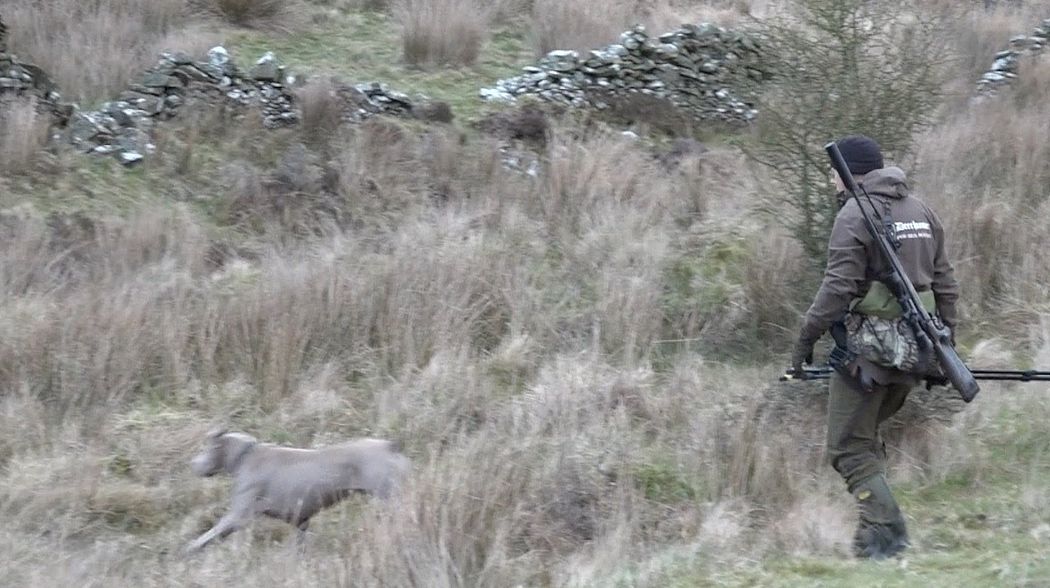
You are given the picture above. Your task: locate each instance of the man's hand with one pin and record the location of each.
(803, 353)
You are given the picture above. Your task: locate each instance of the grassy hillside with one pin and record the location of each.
(580, 361)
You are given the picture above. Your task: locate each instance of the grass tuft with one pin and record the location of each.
(442, 32)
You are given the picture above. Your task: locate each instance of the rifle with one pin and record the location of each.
(929, 333)
(824, 372)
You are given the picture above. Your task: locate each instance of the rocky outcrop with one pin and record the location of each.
(1007, 62)
(703, 69)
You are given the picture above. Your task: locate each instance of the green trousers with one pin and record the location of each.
(855, 447)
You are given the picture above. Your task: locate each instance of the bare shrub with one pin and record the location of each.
(23, 133)
(433, 111)
(91, 50)
(648, 113)
(442, 32)
(528, 123)
(321, 110)
(266, 14)
(882, 78)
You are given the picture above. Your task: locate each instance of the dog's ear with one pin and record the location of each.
(217, 432)
(234, 445)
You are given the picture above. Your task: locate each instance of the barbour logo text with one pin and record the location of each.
(913, 230)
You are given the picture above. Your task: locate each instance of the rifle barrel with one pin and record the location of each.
(1020, 375)
(824, 372)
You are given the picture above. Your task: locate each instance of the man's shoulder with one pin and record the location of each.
(850, 212)
(849, 223)
(917, 203)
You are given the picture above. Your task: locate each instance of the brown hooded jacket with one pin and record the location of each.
(854, 259)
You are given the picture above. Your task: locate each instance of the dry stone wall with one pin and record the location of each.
(1007, 62)
(124, 127)
(703, 69)
(25, 80)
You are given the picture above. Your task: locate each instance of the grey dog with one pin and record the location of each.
(293, 484)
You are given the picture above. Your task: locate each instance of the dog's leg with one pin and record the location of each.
(229, 523)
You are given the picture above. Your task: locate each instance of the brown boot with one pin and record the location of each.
(882, 532)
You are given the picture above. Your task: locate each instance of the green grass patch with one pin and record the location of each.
(971, 528)
(96, 186)
(366, 47)
(663, 483)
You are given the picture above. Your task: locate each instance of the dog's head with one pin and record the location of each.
(223, 451)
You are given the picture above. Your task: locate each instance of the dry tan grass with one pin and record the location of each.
(93, 54)
(985, 171)
(582, 25)
(23, 134)
(442, 32)
(509, 328)
(500, 330)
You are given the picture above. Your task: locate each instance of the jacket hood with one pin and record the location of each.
(888, 181)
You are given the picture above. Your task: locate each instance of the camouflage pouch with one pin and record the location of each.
(886, 342)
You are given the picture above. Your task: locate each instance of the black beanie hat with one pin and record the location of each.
(862, 154)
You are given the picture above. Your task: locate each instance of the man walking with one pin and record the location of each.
(875, 380)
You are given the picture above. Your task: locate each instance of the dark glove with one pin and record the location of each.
(803, 353)
(947, 325)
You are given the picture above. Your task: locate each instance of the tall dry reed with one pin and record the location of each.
(442, 32)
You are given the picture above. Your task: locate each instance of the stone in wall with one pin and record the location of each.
(702, 69)
(363, 101)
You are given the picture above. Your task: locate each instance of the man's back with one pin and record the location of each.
(855, 263)
(915, 226)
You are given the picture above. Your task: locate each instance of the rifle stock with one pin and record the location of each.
(955, 370)
(927, 332)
